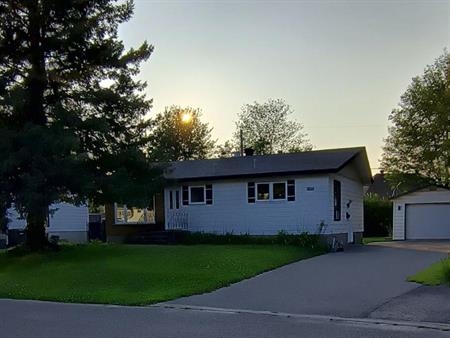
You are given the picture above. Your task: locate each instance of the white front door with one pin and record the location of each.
(177, 217)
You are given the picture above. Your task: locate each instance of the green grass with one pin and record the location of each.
(436, 274)
(367, 240)
(134, 274)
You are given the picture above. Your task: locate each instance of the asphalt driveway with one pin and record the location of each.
(353, 283)
(422, 245)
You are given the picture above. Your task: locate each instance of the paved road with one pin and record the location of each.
(353, 283)
(24, 319)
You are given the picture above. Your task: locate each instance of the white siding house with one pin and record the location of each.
(422, 214)
(67, 221)
(314, 192)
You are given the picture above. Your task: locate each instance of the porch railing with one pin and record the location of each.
(178, 220)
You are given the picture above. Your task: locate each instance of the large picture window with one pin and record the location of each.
(197, 195)
(270, 191)
(130, 215)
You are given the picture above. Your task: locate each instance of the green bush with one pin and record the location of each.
(303, 240)
(377, 217)
(446, 268)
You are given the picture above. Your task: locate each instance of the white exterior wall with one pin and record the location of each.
(231, 212)
(423, 196)
(14, 220)
(351, 190)
(68, 221)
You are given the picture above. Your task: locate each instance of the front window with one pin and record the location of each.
(129, 215)
(263, 191)
(197, 195)
(120, 211)
(279, 191)
(135, 215)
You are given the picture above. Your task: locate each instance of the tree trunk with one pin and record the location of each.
(36, 238)
(35, 114)
(37, 79)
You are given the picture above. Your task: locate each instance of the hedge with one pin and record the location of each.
(377, 217)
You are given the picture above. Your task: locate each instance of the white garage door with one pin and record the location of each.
(428, 221)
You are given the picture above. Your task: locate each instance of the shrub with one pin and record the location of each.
(446, 268)
(282, 238)
(377, 217)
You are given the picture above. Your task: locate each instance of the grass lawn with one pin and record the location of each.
(136, 274)
(367, 240)
(436, 274)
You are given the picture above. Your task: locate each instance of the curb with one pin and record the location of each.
(367, 321)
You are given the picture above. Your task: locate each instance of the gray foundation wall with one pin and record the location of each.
(358, 237)
(341, 239)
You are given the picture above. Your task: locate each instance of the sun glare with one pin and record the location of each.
(186, 117)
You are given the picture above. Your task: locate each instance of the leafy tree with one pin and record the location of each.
(71, 113)
(227, 149)
(267, 128)
(179, 134)
(418, 144)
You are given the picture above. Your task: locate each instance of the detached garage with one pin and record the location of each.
(422, 214)
(66, 221)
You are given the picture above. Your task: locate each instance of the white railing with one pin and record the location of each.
(178, 220)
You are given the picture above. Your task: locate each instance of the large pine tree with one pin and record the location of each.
(71, 112)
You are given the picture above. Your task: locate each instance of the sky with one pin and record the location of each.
(341, 65)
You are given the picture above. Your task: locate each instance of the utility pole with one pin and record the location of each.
(241, 137)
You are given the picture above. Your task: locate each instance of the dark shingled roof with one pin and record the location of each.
(308, 162)
(380, 186)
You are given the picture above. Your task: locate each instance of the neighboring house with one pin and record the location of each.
(66, 221)
(422, 214)
(380, 187)
(314, 192)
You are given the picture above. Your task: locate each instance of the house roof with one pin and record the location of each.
(380, 186)
(308, 162)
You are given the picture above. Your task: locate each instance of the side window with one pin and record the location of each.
(337, 200)
(279, 191)
(271, 191)
(177, 199)
(262, 191)
(170, 199)
(197, 195)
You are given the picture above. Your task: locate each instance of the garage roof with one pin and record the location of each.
(430, 187)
